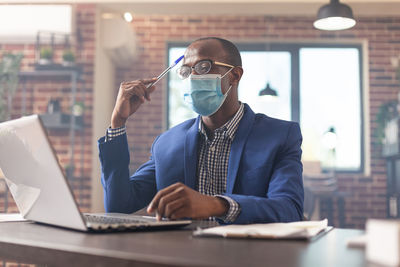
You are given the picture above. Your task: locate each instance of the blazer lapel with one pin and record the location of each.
(245, 126)
(190, 159)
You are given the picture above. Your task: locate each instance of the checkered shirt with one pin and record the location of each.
(213, 160)
(212, 169)
(112, 133)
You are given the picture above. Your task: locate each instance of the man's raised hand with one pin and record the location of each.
(131, 96)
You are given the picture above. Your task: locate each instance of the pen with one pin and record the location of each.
(165, 72)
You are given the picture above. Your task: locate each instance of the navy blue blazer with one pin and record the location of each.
(264, 172)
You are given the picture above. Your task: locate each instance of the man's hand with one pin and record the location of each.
(130, 96)
(179, 201)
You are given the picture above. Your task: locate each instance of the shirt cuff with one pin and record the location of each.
(112, 133)
(233, 211)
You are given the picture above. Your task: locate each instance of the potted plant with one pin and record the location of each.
(78, 108)
(68, 58)
(9, 70)
(69, 171)
(46, 56)
(387, 112)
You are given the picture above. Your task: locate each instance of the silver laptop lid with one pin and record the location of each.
(34, 176)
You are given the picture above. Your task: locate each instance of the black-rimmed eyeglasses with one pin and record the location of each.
(202, 67)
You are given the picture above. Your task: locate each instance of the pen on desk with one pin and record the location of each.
(165, 72)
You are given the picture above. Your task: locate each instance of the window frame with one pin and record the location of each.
(294, 49)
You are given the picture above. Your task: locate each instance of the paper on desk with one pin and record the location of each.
(294, 230)
(359, 241)
(11, 217)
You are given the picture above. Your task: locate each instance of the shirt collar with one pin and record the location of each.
(229, 128)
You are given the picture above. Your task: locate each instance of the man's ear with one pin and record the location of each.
(236, 74)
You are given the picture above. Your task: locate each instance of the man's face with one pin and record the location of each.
(207, 49)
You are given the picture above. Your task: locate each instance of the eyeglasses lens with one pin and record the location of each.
(202, 67)
(184, 72)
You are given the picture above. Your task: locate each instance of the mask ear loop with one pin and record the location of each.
(227, 73)
(230, 87)
(227, 92)
(225, 95)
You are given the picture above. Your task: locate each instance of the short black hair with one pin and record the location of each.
(232, 54)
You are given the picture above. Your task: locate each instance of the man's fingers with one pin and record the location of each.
(142, 81)
(140, 84)
(166, 199)
(138, 91)
(180, 213)
(173, 207)
(148, 81)
(149, 91)
(166, 191)
(154, 203)
(128, 87)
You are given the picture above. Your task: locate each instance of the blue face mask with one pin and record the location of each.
(203, 93)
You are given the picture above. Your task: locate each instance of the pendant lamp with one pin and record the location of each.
(268, 91)
(334, 16)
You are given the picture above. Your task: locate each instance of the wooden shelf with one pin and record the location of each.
(61, 121)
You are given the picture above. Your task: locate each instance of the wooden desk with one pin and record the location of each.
(33, 243)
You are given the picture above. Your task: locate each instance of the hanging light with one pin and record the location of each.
(329, 139)
(268, 91)
(334, 16)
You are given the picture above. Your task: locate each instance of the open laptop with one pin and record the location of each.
(40, 189)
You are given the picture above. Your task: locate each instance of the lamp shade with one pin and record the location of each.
(268, 91)
(334, 16)
(329, 138)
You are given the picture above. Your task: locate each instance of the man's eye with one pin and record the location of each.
(203, 67)
(184, 71)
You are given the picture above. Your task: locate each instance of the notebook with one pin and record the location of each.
(306, 230)
(40, 189)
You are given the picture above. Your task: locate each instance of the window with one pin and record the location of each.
(330, 97)
(318, 86)
(177, 111)
(24, 21)
(262, 68)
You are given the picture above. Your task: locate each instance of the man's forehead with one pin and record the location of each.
(208, 49)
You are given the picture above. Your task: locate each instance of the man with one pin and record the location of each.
(227, 163)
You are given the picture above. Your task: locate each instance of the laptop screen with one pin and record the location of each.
(34, 175)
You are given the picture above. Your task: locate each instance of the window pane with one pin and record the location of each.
(330, 97)
(27, 20)
(261, 68)
(178, 111)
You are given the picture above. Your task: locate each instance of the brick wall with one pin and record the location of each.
(153, 32)
(367, 198)
(39, 90)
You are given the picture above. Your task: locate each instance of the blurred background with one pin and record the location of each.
(65, 61)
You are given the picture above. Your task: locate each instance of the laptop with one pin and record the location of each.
(41, 191)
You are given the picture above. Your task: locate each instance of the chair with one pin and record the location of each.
(321, 187)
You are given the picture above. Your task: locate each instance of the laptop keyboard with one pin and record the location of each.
(122, 222)
(98, 219)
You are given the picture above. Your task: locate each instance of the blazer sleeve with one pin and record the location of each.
(122, 193)
(284, 199)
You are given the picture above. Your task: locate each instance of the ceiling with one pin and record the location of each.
(195, 1)
(255, 7)
(210, 7)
